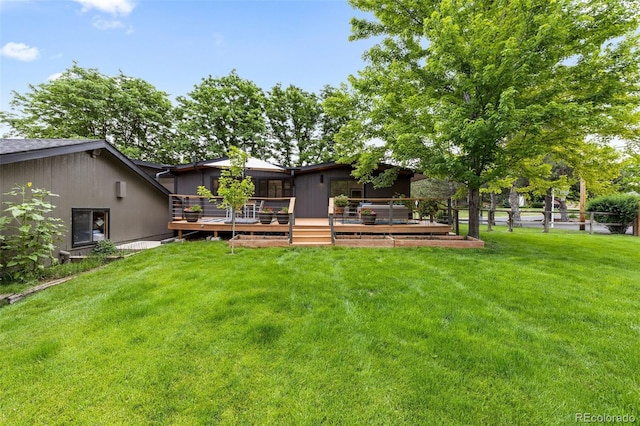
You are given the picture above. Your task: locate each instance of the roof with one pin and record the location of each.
(16, 146)
(333, 165)
(252, 163)
(18, 150)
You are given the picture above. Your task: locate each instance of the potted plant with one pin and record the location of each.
(339, 203)
(368, 216)
(193, 213)
(265, 215)
(283, 216)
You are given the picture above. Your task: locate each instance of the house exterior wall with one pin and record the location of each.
(186, 183)
(83, 181)
(312, 193)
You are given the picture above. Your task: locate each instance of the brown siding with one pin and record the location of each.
(82, 181)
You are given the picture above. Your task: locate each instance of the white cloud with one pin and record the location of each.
(54, 77)
(104, 24)
(19, 51)
(113, 7)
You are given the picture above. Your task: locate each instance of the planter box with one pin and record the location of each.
(364, 241)
(257, 241)
(450, 241)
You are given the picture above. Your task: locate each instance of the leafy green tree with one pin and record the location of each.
(467, 89)
(234, 187)
(83, 103)
(293, 117)
(220, 113)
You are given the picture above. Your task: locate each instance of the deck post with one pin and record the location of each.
(290, 230)
(333, 234)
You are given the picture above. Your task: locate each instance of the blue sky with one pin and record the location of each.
(173, 44)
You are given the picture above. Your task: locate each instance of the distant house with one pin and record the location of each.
(102, 193)
(311, 185)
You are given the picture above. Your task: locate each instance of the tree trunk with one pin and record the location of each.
(548, 210)
(514, 201)
(564, 214)
(233, 229)
(474, 213)
(492, 209)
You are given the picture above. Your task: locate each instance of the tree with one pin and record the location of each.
(293, 117)
(234, 188)
(467, 89)
(220, 113)
(83, 103)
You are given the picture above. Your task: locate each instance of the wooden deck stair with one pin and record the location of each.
(311, 236)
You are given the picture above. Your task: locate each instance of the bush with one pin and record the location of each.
(622, 209)
(105, 248)
(31, 234)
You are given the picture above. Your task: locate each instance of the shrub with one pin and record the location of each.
(30, 242)
(105, 248)
(341, 200)
(621, 210)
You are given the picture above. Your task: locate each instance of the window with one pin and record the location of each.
(349, 187)
(274, 188)
(89, 226)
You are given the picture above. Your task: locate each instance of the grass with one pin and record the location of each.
(54, 272)
(530, 330)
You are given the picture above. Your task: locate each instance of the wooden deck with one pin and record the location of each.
(344, 229)
(217, 225)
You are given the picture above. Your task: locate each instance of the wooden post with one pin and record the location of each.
(510, 220)
(591, 217)
(583, 202)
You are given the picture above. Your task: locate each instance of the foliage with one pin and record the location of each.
(105, 248)
(30, 233)
(367, 212)
(234, 188)
(412, 336)
(466, 90)
(266, 210)
(221, 113)
(293, 116)
(622, 209)
(196, 208)
(284, 210)
(83, 103)
(428, 208)
(341, 200)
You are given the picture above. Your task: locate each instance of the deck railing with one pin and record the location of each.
(210, 206)
(390, 210)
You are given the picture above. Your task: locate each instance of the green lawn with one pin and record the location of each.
(530, 330)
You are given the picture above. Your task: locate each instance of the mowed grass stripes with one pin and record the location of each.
(533, 329)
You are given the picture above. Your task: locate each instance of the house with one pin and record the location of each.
(311, 185)
(102, 193)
